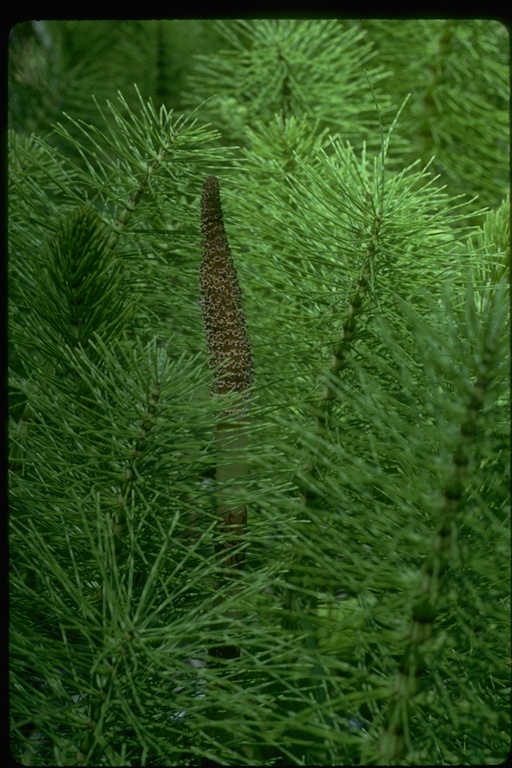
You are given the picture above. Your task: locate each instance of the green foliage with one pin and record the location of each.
(460, 118)
(288, 69)
(58, 66)
(373, 608)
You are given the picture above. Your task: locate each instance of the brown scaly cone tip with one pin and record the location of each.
(227, 339)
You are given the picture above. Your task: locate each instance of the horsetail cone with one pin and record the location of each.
(227, 340)
(229, 352)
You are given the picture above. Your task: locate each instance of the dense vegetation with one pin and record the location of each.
(363, 171)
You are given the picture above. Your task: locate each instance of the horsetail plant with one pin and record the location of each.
(395, 739)
(347, 600)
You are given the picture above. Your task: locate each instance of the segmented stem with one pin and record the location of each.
(425, 608)
(338, 364)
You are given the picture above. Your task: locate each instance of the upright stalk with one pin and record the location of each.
(230, 357)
